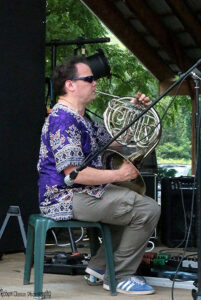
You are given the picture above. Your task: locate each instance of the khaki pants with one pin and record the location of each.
(133, 219)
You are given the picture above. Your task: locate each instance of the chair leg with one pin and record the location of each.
(109, 258)
(29, 254)
(39, 252)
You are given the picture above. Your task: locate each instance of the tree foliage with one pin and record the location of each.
(177, 135)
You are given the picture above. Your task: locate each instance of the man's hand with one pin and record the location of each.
(128, 171)
(141, 99)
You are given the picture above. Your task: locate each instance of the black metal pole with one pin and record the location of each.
(197, 294)
(53, 56)
(79, 41)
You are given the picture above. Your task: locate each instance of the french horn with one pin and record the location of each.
(136, 143)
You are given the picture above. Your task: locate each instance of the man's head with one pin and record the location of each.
(74, 79)
(66, 71)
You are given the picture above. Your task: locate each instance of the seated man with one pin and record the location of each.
(68, 137)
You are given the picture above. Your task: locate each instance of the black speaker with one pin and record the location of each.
(150, 180)
(177, 198)
(149, 164)
(22, 101)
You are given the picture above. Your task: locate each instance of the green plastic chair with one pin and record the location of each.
(35, 250)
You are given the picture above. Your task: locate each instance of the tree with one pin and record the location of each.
(176, 138)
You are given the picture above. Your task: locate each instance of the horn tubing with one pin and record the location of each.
(107, 94)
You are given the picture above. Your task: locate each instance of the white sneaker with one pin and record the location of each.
(132, 286)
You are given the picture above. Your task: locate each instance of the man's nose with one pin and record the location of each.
(94, 83)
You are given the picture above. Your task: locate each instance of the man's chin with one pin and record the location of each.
(93, 96)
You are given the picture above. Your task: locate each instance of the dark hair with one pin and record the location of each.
(65, 71)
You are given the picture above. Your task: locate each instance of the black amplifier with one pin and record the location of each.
(178, 208)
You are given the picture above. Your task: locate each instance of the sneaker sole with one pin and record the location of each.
(106, 287)
(94, 273)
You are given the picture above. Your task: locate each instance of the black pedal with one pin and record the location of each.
(66, 263)
(174, 261)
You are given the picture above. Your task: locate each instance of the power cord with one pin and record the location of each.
(67, 244)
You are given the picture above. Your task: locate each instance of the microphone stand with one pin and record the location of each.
(69, 179)
(197, 294)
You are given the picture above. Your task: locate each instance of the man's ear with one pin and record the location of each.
(69, 85)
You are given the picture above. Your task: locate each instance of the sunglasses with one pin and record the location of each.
(89, 79)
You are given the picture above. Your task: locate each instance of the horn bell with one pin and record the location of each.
(136, 143)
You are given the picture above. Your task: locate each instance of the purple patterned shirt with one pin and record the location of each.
(67, 139)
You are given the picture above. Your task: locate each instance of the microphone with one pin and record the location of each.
(69, 179)
(196, 73)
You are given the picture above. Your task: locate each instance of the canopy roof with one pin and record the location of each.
(165, 35)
